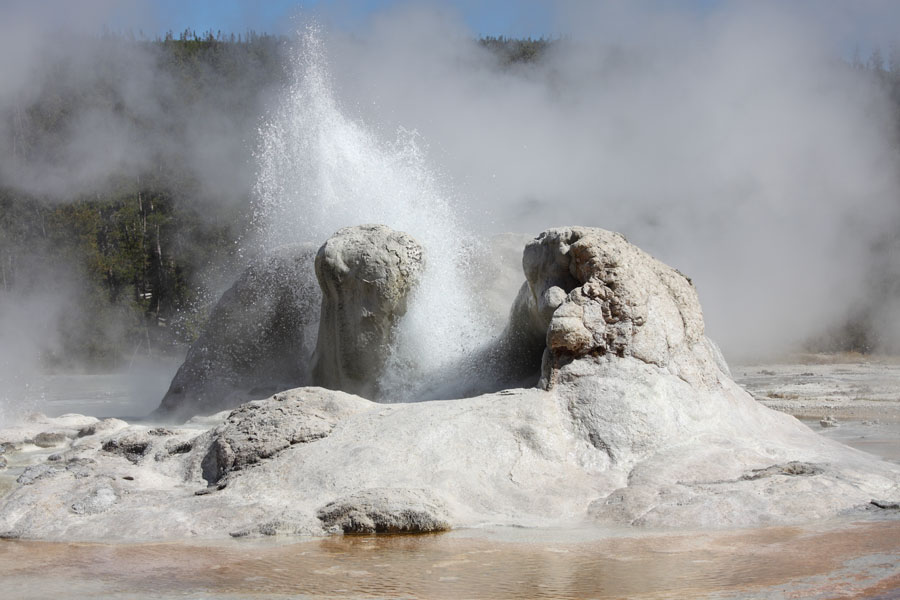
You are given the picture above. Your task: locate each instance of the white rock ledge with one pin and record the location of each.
(530, 458)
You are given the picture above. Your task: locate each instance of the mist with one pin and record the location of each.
(90, 106)
(739, 148)
(737, 145)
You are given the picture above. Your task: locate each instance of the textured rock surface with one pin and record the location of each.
(523, 457)
(366, 274)
(259, 430)
(637, 424)
(104, 426)
(258, 340)
(597, 294)
(49, 439)
(385, 510)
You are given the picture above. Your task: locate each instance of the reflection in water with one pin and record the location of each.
(851, 560)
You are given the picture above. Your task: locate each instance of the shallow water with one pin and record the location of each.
(130, 394)
(875, 437)
(839, 560)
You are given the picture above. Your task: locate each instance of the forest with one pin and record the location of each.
(140, 244)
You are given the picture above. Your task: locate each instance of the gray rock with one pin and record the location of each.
(637, 424)
(366, 274)
(258, 340)
(791, 469)
(81, 467)
(98, 500)
(38, 472)
(132, 445)
(179, 446)
(3, 463)
(272, 527)
(259, 430)
(102, 426)
(49, 439)
(385, 510)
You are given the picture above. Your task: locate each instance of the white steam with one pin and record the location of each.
(738, 148)
(320, 170)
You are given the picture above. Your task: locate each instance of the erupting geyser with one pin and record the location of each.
(635, 422)
(621, 410)
(320, 170)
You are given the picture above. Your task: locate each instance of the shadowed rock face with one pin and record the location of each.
(257, 341)
(366, 274)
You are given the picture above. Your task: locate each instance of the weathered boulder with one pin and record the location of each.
(49, 439)
(258, 340)
(385, 510)
(134, 445)
(34, 424)
(260, 429)
(366, 274)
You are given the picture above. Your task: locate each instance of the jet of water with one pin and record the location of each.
(320, 170)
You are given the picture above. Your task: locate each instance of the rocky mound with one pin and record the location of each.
(636, 423)
(258, 340)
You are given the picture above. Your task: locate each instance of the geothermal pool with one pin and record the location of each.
(838, 558)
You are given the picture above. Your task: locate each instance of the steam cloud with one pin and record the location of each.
(740, 149)
(737, 147)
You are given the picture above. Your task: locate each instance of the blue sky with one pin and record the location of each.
(515, 18)
(843, 23)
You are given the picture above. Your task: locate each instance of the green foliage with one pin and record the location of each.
(128, 267)
(510, 50)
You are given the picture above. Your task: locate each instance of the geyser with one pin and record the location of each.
(636, 423)
(320, 170)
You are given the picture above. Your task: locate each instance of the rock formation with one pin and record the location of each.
(258, 340)
(596, 295)
(636, 423)
(366, 274)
